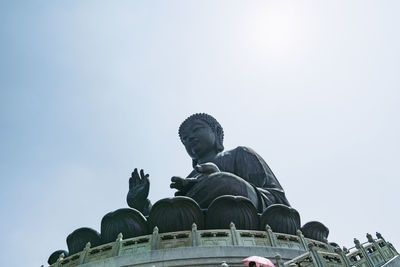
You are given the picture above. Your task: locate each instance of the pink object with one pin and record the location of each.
(259, 261)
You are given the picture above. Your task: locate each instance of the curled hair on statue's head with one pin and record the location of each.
(214, 125)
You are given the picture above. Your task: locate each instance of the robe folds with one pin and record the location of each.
(243, 173)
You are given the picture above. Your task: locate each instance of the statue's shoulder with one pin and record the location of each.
(245, 150)
(239, 149)
(248, 155)
(239, 152)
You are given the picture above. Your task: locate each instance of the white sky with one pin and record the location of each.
(92, 89)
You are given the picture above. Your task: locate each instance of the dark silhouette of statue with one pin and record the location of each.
(239, 172)
(233, 188)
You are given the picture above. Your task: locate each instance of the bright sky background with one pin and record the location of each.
(92, 89)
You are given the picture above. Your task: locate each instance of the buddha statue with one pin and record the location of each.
(225, 189)
(238, 172)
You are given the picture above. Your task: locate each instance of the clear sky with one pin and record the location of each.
(92, 89)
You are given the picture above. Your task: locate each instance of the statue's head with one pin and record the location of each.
(201, 134)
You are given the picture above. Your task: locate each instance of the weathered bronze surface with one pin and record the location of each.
(128, 222)
(315, 230)
(239, 172)
(176, 214)
(224, 189)
(281, 218)
(78, 239)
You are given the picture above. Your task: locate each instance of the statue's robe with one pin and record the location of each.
(244, 173)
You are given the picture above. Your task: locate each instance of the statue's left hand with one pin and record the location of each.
(182, 185)
(178, 183)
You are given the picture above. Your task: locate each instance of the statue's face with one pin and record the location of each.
(198, 138)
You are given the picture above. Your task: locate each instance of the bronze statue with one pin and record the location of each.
(234, 186)
(240, 172)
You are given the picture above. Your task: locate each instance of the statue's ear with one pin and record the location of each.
(219, 146)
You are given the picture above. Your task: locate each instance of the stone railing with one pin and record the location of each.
(193, 238)
(318, 258)
(373, 253)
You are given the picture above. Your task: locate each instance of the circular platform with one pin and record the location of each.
(193, 248)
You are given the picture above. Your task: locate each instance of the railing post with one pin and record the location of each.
(392, 252)
(117, 245)
(154, 239)
(376, 245)
(84, 253)
(195, 238)
(235, 235)
(302, 240)
(378, 235)
(363, 251)
(272, 237)
(343, 256)
(392, 248)
(279, 261)
(59, 260)
(330, 247)
(314, 255)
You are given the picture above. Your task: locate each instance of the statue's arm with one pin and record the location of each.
(256, 171)
(139, 186)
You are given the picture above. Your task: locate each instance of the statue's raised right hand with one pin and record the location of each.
(139, 186)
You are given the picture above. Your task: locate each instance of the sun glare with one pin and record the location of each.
(273, 30)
